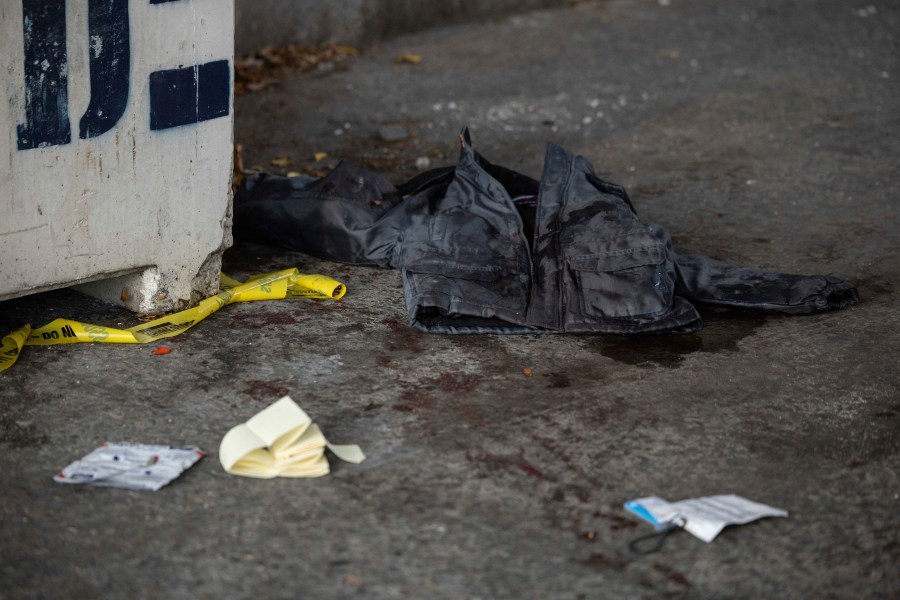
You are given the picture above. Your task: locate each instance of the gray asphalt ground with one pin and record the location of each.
(759, 132)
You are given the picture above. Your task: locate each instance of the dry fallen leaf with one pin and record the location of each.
(344, 50)
(409, 58)
(238, 155)
(527, 372)
(237, 175)
(267, 66)
(672, 53)
(282, 161)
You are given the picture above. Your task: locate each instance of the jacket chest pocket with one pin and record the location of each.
(625, 283)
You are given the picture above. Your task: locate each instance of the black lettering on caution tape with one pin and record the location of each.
(66, 331)
(165, 328)
(9, 356)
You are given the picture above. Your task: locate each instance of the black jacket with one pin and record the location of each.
(483, 249)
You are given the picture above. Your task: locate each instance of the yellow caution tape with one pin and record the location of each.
(288, 283)
(11, 346)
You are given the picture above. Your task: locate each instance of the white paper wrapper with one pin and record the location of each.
(131, 466)
(703, 517)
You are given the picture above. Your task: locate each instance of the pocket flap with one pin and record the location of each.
(448, 267)
(619, 259)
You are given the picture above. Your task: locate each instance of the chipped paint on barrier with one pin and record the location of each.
(149, 288)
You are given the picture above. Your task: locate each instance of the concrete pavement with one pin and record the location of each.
(759, 132)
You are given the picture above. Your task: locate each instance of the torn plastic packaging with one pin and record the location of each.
(484, 249)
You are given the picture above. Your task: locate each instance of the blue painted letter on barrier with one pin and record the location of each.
(177, 96)
(110, 62)
(190, 95)
(46, 75)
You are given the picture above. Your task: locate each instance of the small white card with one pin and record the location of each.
(703, 517)
(131, 466)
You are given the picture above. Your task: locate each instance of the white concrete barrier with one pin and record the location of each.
(115, 148)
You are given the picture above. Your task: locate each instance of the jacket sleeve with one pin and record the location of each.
(348, 216)
(708, 281)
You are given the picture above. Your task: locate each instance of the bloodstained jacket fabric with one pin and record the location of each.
(483, 249)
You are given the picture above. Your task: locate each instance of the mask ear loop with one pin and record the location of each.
(638, 545)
